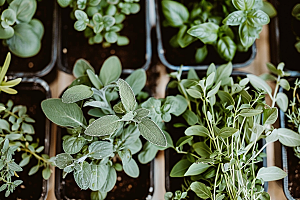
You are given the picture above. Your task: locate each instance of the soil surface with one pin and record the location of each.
(31, 188)
(75, 45)
(40, 61)
(186, 56)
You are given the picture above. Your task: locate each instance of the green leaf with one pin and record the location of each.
(105, 125)
(248, 34)
(73, 145)
(13, 166)
(6, 33)
(184, 140)
(178, 104)
(100, 149)
(196, 169)
(127, 96)
(271, 173)
(111, 37)
(282, 101)
(206, 32)
(288, 137)
(77, 93)
(192, 74)
(33, 170)
(64, 3)
(226, 132)
(214, 90)
(180, 168)
(80, 68)
(24, 9)
(243, 4)
(63, 160)
(46, 173)
(81, 16)
(247, 112)
(110, 180)
(201, 54)
(148, 153)
(225, 98)
(111, 70)
(235, 18)
(122, 40)
(98, 176)
(37, 27)
(25, 42)
(137, 80)
(62, 114)
(190, 117)
(27, 128)
(108, 21)
(25, 161)
(259, 84)
(197, 130)
(151, 132)
(284, 84)
(257, 18)
(131, 169)
(9, 16)
(202, 149)
(201, 190)
(94, 79)
(175, 13)
(270, 116)
(226, 48)
(83, 177)
(141, 113)
(97, 195)
(194, 93)
(80, 25)
(94, 2)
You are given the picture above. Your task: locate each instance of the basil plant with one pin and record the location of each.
(104, 140)
(228, 26)
(16, 135)
(102, 20)
(225, 122)
(20, 32)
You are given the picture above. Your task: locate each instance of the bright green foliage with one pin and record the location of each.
(16, 134)
(211, 23)
(19, 31)
(102, 20)
(222, 145)
(95, 149)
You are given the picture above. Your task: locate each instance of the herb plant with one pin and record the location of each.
(19, 30)
(222, 146)
(102, 20)
(296, 15)
(103, 142)
(16, 135)
(214, 23)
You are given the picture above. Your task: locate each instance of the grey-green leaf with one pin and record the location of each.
(105, 125)
(180, 168)
(80, 68)
(77, 93)
(98, 176)
(288, 137)
(201, 190)
(247, 112)
(197, 130)
(111, 70)
(100, 149)
(272, 173)
(137, 80)
(83, 177)
(63, 160)
(151, 132)
(259, 84)
(73, 145)
(127, 96)
(131, 168)
(196, 169)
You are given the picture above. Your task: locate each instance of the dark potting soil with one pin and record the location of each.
(75, 45)
(294, 173)
(38, 62)
(288, 28)
(31, 188)
(186, 56)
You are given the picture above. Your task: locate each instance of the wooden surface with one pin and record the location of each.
(257, 67)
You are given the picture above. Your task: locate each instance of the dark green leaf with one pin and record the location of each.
(202, 149)
(201, 190)
(180, 168)
(175, 13)
(226, 48)
(196, 169)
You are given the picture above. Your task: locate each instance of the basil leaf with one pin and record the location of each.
(206, 32)
(175, 13)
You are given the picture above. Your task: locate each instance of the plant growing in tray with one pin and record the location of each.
(227, 26)
(224, 124)
(104, 122)
(16, 136)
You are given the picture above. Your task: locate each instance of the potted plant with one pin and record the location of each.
(102, 122)
(195, 34)
(28, 30)
(24, 138)
(284, 34)
(99, 29)
(222, 129)
(290, 155)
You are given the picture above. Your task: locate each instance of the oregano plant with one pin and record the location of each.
(20, 32)
(104, 140)
(222, 145)
(102, 20)
(213, 23)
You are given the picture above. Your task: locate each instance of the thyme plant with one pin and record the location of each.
(20, 32)
(102, 20)
(214, 23)
(222, 146)
(104, 140)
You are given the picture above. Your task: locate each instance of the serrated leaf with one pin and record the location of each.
(127, 96)
(77, 93)
(151, 132)
(105, 125)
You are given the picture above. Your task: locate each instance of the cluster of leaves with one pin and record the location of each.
(19, 31)
(104, 142)
(222, 143)
(16, 135)
(211, 21)
(296, 14)
(102, 19)
(293, 114)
